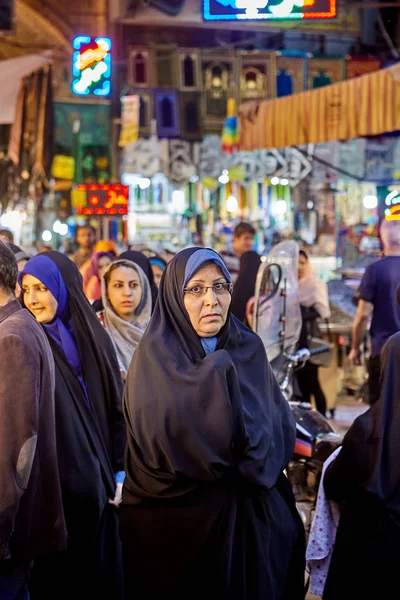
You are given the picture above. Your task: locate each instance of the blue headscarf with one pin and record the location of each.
(60, 329)
(157, 261)
(196, 260)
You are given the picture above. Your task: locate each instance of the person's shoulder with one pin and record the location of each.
(22, 327)
(392, 344)
(247, 336)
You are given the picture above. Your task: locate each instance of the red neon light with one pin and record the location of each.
(106, 199)
(90, 56)
(323, 15)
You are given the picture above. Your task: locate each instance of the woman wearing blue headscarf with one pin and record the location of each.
(207, 511)
(90, 433)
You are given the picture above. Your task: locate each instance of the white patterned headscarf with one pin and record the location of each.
(124, 334)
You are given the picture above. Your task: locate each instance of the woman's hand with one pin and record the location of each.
(118, 496)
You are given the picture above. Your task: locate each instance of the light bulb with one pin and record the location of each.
(370, 202)
(231, 204)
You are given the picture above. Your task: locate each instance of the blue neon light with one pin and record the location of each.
(81, 39)
(91, 66)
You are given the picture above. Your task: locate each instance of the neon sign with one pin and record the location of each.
(392, 200)
(254, 10)
(91, 66)
(107, 200)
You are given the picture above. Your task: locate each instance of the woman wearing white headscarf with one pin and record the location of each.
(314, 304)
(127, 308)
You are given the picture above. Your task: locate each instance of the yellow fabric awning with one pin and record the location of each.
(364, 106)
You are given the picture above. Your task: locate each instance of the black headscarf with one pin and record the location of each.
(192, 418)
(369, 458)
(143, 262)
(99, 365)
(245, 284)
(365, 478)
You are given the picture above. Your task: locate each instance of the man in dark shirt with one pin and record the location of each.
(377, 302)
(243, 241)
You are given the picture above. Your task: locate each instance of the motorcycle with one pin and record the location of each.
(277, 320)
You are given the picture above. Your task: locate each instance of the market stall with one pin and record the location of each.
(359, 107)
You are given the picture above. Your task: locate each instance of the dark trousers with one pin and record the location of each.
(13, 581)
(374, 379)
(309, 385)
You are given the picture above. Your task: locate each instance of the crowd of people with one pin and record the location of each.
(144, 437)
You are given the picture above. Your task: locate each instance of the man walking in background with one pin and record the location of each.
(377, 302)
(31, 514)
(85, 239)
(243, 241)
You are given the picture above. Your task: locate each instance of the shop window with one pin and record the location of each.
(167, 112)
(188, 72)
(191, 117)
(143, 116)
(139, 69)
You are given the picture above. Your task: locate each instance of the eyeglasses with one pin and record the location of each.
(200, 290)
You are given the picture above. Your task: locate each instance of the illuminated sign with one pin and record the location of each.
(91, 66)
(101, 200)
(392, 201)
(273, 10)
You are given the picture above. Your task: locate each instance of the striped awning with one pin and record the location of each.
(360, 107)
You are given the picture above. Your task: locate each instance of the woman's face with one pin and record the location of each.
(303, 264)
(207, 311)
(124, 292)
(38, 299)
(157, 274)
(103, 263)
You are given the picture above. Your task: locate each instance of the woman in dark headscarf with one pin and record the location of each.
(90, 433)
(207, 511)
(144, 263)
(365, 479)
(245, 284)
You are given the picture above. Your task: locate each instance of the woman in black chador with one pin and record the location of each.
(90, 434)
(365, 480)
(207, 511)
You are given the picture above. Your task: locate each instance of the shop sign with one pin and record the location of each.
(130, 120)
(270, 10)
(298, 166)
(379, 159)
(91, 66)
(392, 201)
(63, 167)
(100, 200)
